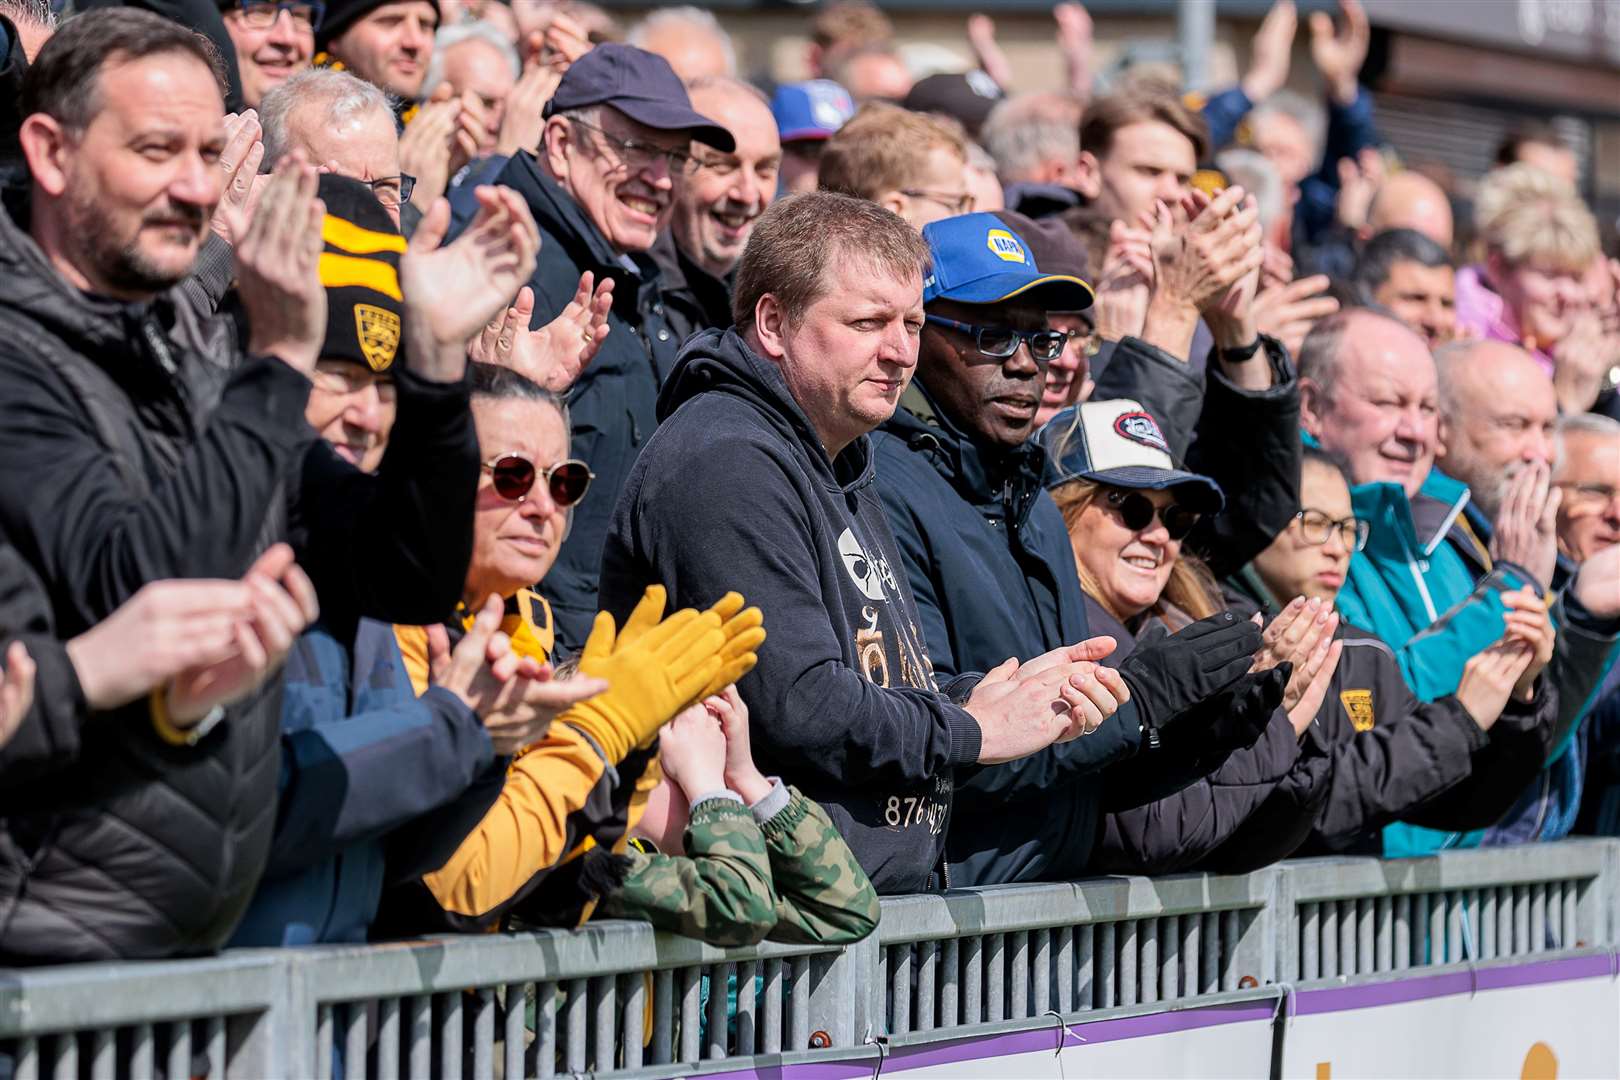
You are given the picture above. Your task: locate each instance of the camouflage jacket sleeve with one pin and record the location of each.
(720, 892)
(822, 894)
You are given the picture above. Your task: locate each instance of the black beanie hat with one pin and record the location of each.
(360, 270)
(342, 14)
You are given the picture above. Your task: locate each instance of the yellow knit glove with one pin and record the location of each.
(745, 632)
(662, 668)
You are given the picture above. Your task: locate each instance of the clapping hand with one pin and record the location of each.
(453, 290)
(555, 354)
(240, 160)
(1526, 532)
(278, 267)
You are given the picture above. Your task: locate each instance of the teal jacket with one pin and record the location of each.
(1414, 591)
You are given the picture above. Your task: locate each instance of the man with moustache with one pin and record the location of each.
(718, 197)
(618, 132)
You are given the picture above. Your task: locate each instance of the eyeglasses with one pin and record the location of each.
(1000, 342)
(514, 476)
(1315, 527)
(262, 14)
(1588, 494)
(1137, 512)
(639, 155)
(393, 191)
(1090, 341)
(957, 203)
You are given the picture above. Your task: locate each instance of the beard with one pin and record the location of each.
(116, 254)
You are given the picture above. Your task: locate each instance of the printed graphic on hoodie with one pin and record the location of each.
(875, 580)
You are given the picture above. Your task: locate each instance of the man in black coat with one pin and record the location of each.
(762, 474)
(601, 188)
(143, 443)
(986, 551)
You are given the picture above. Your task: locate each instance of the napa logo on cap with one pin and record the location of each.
(1006, 246)
(1141, 428)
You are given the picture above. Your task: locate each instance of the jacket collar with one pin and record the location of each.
(1007, 479)
(557, 213)
(1439, 502)
(680, 276)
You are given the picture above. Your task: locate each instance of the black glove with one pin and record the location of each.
(1170, 674)
(1234, 718)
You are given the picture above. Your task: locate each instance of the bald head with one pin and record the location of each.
(690, 39)
(1367, 393)
(1410, 200)
(1498, 412)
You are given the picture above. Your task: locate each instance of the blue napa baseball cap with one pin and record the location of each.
(979, 260)
(810, 110)
(639, 84)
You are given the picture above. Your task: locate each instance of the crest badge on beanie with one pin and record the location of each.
(359, 268)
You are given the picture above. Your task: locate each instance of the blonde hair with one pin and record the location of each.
(1528, 216)
(1191, 588)
(883, 147)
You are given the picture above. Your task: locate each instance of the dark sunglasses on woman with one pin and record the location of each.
(514, 476)
(1137, 512)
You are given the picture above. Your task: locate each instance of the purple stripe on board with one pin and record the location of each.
(1035, 1040)
(1370, 995)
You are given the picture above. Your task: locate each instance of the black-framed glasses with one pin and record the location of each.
(393, 191)
(1000, 342)
(513, 476)
(637, 154)
(262, 14)
(1315, 527)
(1137, 512)
(957, 202)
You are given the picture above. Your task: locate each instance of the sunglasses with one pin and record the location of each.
(1137, 512)
(1000, 342)
(514, 476)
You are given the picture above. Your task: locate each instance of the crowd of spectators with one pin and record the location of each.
(470, 465)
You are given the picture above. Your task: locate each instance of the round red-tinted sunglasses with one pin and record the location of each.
(514, 476)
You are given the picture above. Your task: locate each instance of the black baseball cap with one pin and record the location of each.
(639, 84)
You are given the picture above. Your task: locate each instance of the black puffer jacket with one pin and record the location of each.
(140, 445)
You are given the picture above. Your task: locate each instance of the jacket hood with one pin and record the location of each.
(719, 361)
(1010, 478)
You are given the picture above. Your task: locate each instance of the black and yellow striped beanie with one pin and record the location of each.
(360, 269)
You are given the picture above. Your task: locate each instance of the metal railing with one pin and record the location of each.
(618, 999)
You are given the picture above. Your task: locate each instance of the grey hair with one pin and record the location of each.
(694, 17)
(1307, 113)
(37, 12)
(1320, 353)
(1589, 424)
(1254, 172)
(495, 382)
(1024, 131)
(450, 36)
(727, 82)
(338, 94)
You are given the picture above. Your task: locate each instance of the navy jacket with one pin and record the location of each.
(990, 566)
(613, 405)
(735, 491)
(377, 786)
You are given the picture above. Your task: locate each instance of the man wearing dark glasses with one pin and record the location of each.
(984, 546)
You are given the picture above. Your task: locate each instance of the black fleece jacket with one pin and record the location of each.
(735, 491)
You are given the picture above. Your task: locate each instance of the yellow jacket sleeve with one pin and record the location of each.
(530, 828)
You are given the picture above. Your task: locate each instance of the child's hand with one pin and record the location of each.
(742, 775)
(692, 750)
